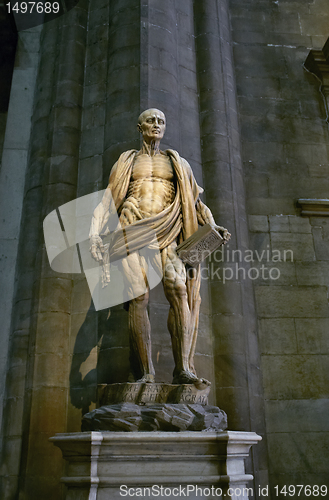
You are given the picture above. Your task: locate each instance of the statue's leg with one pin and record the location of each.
(179, 319)
(139, 323)
(140, 334)
(193, 290)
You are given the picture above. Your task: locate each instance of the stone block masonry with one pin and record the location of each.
(285, 156)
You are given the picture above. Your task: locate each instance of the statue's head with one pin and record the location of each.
(152, 125)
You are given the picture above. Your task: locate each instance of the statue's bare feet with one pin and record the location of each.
(187, 377)
(148, 378)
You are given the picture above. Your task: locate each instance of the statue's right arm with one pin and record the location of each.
(99, 219)
(96, 242)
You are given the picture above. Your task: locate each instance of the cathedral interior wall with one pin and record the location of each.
(3, 119)
(284, 137)
(251, 122)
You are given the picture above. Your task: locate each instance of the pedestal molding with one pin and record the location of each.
(107, 460)
(140, 481)
(314, 207)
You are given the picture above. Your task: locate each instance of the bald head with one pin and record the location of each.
(152, 125)
(150, 112)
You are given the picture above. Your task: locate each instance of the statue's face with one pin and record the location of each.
(152, 125)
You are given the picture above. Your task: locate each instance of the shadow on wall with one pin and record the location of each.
(100, 355)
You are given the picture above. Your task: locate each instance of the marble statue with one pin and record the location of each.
(157, 189)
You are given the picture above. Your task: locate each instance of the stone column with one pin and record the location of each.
(12, 181)
(236, 352)
(123, 81)
(84, 326)
(37, 381)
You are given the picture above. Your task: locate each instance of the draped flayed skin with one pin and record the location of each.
(179, 217)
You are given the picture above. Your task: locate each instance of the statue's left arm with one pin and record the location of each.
(205, 216)
(113, 196)
(203, 213)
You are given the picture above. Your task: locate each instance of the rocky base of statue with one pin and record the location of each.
(130, 417)
(145, 393)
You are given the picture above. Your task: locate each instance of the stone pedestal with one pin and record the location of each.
(99, 463)
(129, 417)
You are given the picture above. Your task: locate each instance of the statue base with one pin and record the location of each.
(110, 465)
(143, 393)
(130, 417)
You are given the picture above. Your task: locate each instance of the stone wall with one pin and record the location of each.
(285, 155)
(8, 42)
(12, 181)
(3, 120)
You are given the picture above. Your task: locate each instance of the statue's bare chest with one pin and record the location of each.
(152, 186)
(156, 167)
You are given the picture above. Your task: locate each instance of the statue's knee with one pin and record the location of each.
(141, 301)
(175, 285)
(180, 288)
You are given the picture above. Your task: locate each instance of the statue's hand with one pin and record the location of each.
(223, 232)
(97, 248)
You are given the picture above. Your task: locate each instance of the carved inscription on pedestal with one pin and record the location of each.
(142, 393)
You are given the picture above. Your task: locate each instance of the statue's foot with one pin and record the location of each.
(148, 378)
(184, 377)
(187, 377)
